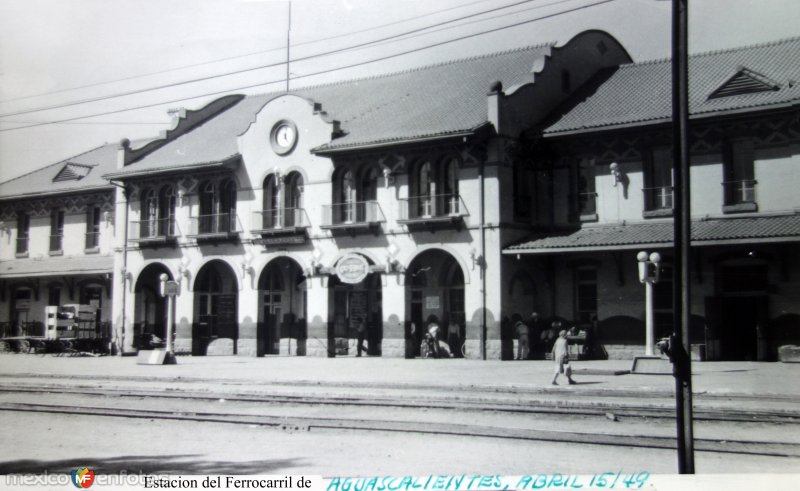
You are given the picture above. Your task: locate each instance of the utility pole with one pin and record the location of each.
(679, 343)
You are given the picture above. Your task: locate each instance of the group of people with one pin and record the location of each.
(553, 340)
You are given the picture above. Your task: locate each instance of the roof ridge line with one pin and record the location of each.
(63, 161)
(419, 68)
(764, 44)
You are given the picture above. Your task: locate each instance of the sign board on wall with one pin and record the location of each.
(352, 269)
(432, 303)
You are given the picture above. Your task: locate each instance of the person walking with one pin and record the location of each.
(454, 338)
(523, 343)
(534, 335)
(561, 358)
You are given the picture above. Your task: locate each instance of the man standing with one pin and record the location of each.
(561, 358)
(523, 345)
(361, 328)
(534, 333)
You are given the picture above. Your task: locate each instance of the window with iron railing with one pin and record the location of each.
(93, 227)
(739, 184)
(432, 206)
(56, 231)
(658, 198)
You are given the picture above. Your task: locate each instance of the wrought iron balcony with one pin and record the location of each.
(352, 216)
(439, 209)
(152, 231)
(220, 226)
(279, 221)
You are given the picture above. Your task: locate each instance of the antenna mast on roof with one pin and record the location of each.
(288, 44)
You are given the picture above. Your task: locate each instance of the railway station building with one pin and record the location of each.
(467, 193)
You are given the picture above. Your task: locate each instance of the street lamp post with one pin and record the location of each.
(169, 289)
(649, 275)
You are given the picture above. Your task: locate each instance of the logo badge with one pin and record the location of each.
(82, 478)
(352, 269)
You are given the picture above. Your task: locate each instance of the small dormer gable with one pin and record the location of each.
(72, 172)
(745, 81)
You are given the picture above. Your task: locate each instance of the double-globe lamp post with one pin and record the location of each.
(649, 275)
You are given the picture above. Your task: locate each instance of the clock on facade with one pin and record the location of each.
(283, 137)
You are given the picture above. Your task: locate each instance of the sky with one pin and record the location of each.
(70, 52)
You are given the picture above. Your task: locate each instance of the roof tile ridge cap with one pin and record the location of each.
(424, 67)
(714, 52)
(60, 162)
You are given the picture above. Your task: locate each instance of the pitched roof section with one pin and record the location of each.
(640, 93)
(58, 178)
(704, 232)
(432, 101)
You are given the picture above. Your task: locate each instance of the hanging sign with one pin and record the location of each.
(352, 269)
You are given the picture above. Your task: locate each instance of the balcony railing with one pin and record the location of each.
(431, 208)
(56, 242)
(353, 214)
(288, 219)
(92, 240)
(22, 245)
(214, 226)
(739, 192)
(658, 198)
(152, 230)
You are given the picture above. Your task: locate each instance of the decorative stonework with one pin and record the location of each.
(73, 204)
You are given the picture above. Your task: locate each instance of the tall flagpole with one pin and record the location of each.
(288, 44)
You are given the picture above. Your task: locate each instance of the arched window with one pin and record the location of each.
(166, 211)
(426, 188)
(348, 198)
(272, 202)
(294, 200)
(149, 227)
(369, 185)
(451, 200)
(217, 207)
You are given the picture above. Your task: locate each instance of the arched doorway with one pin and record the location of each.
(355, 297)
(150, 308)
(435, 293)
(215, 306)
(282, 312)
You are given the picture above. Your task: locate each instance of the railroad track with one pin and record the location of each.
(464, 402)
(316, 424)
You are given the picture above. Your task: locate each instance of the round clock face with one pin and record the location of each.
(284, 137)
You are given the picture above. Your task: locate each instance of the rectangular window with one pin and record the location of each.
(56, 231)
(658, 180)
(585, 295)
(739, 185)
(23, 233)
(587, 197)
(93, 227)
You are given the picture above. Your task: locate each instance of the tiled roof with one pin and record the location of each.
(54, 266)
(704, 232)
(641, 92)
(437, 100)
(92, 164)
